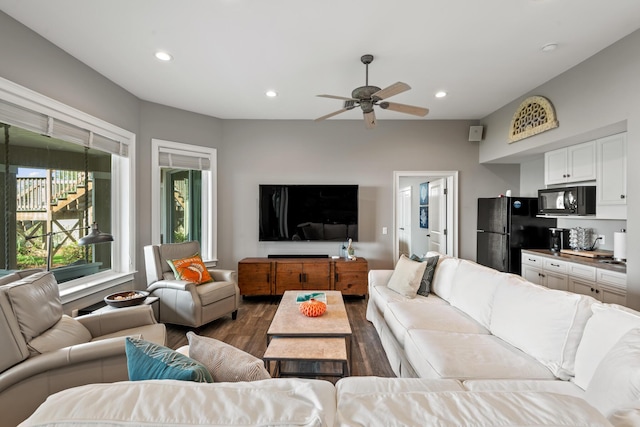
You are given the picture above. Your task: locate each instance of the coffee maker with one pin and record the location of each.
(558, 239)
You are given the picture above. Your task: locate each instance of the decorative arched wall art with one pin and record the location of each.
(534, 115)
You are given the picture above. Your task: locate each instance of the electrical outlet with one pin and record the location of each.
(601, 241)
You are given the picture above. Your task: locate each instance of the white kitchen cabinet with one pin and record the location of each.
(555, 273)
(599, 291)
(571, 164)
(611, 182)
(533, 274)
(542, 271)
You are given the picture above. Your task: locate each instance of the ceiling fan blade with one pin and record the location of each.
(370, 120)
(335, 113)
(403, 108)
(344, 98)
(390, 91)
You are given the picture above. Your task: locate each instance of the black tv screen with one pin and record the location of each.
(308, 213)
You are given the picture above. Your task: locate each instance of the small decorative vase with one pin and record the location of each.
(313, 308)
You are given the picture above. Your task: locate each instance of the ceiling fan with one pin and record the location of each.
(368, 96)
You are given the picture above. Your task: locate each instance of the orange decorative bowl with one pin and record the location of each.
(313, 308)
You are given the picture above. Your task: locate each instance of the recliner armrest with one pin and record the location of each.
(179, 285)
(116, 320)
(62, 358)
(219, 275)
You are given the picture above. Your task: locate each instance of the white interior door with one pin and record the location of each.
(438, 215)
(404, 221)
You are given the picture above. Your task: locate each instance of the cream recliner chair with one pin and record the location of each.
(44, 351)
(185, 303)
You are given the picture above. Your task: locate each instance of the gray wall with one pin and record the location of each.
(596, 98)
(337, 151)
(251, 152)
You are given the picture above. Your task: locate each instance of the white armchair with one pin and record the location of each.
(185, 303)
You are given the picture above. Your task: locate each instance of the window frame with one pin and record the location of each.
(122, 188)
(209, 214)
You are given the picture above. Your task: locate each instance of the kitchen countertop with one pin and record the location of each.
(593, 262)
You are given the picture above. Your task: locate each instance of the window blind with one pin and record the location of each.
(175, 159)
(18, 116)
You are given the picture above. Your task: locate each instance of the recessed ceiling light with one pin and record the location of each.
(549, 47)
(163, 56)
(271, 93)
(441, 94)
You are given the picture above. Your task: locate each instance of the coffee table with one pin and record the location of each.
(294, 337)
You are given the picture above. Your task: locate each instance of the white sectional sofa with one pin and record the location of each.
(496, 331)
(355, 401)
(487, 348)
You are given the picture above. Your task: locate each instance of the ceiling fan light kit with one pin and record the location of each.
(366, 97)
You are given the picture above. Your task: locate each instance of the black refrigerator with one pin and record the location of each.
(505, 226)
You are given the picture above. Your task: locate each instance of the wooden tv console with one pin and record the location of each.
(273, 276)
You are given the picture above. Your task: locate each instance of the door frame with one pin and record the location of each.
(452, 206)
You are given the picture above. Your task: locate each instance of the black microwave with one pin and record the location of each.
(578, 200)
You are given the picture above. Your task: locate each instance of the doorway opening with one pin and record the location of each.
(425, 214)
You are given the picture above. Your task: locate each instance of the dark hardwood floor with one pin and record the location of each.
(249, 333)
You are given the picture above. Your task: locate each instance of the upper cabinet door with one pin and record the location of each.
(555, 166)
(611, 187)
(582, 162)
(572, 164)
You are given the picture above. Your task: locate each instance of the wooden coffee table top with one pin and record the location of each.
(288, 321)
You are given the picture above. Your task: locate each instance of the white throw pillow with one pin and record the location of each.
(616, 381)
(224, 362)
(603, 330)
(406, 277)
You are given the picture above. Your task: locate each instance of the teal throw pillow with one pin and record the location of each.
(150, 361)
(427, 277)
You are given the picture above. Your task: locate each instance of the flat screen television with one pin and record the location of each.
(308, 213)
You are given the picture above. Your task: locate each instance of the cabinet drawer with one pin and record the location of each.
(555, 265)
(582, 271)
(612, 278)
(531, 259)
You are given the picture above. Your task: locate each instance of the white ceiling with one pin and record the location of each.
(227, 53)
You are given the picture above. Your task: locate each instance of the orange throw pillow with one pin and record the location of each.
(191, 269)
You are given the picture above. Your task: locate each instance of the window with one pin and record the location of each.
(183, 192)
(60, 171)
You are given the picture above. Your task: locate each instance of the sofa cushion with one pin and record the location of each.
(616, 381)
(150, 361)
(603, 330)
(427, 277)
(406, 277)
(463, 408)
(402, 316)
(544, 323)
(442, 283)
(68, 331)
(224, 362)
(35, 301)
(548, 386)
(366, 385)
(473, 288)
(436, 354)
(191, 269)
(277, 402)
